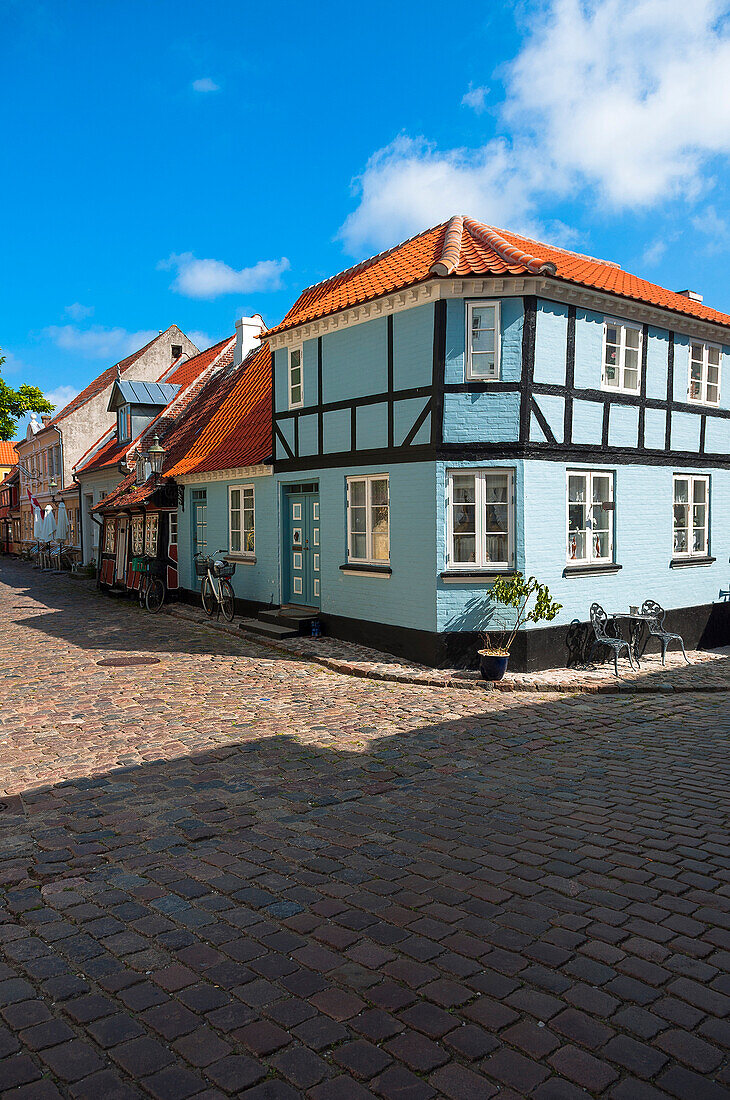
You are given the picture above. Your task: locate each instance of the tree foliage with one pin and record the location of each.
(516, 592)
(15, 403)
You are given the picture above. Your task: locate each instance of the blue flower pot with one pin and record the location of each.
(492, 666)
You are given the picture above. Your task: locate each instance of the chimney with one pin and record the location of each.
(247, 332)
(691, 294)
(45, 419)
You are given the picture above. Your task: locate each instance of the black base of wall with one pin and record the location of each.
(569, 646)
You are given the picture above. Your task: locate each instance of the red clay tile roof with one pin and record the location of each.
(8, 453)
(226, 423)
(107, 451)
(105, 379)
(463, 246)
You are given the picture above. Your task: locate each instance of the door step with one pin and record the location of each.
(267, 630)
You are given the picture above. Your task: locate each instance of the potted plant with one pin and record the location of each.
(516, 592)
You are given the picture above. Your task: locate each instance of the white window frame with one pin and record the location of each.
(481, 561)
(292, 351)
(124, 416)
(172, 529)
(369, 559)
(469, 373)
(690, 552)
(622, 325)
(137, 536)
(592, 558)
(703, 398)
(248, 551)
(151, 534)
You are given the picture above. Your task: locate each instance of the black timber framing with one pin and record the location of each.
(569, 377)
(391, 385)
(439, 368)
(642, 386)
(529, 331)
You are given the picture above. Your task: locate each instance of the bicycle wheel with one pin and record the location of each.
(155, 594)
(207, 595)
(228, 601)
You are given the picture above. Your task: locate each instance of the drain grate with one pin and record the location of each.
(125, 662)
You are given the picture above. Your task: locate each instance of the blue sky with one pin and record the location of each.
(190, 163)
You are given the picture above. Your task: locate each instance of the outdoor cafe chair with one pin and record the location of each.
(599, 619)
(656, 627)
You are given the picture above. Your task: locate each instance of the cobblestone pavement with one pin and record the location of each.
(233, 872)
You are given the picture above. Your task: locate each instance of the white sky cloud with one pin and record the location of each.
(78, 312)
(201, 339)
(205, 84)
(476, 98)
(624, 98)
(61, 396)
(98, 342)
(212, 278)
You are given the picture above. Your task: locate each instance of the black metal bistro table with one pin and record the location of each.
(636, 621)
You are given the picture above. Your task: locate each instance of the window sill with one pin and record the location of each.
(362, 568)
(475, 574)
(684, 563)
(241, 559)
(590, 570)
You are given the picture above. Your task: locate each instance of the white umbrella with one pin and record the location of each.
(48, 527)
(37, 523)
(62, 523)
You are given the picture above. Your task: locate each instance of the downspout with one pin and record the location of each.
(77, 483)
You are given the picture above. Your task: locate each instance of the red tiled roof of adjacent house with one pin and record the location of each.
(105, 379)
(108, 451)
(8, 452)
(463, 246)
(227, 426)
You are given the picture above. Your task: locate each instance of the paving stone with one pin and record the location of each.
(584, 1069)
(72, 1060)
(457, 1082)
(235, 1072)
(419, 1053)
(361, 1058)
(300, 1066)
(638, 1058)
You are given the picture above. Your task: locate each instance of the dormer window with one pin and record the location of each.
(124, 424)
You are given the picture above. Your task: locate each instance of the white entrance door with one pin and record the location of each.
(122, 550)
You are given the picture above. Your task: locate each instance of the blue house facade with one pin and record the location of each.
(461, 407)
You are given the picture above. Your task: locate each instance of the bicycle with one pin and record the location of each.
(151, 586)
(218, 597)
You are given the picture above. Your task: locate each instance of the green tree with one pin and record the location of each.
(15, 403)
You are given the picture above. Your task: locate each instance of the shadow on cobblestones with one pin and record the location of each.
(308, 885)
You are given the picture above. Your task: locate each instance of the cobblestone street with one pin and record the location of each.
(233, 872)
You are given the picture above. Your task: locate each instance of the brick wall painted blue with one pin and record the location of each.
(481, 416)
(717, 436)
(551, 338)
(355, 361)
(372, 426)
(623, 426)
(685, 431)
(258, 581)
(655, 425)
(310, 371)
(281, 379)
(643, 537)
(681, 368)
(286, 427)
(405, 414)
(587, 421)
(406, 598)
(413, 347)
(588, 350)
(656, 363)
(336, 430)
(455, 340)
(308, 435)
(553, 409)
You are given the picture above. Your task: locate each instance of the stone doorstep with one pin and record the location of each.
(383, 668)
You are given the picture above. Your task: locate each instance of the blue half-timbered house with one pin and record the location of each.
(472, 403)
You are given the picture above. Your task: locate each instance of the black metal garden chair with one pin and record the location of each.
(656, 627)
(599, 620)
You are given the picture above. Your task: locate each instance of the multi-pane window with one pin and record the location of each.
(482, 347)
(124, 424)
(704, 373)
(368, 519)
(481, 518)
(172, 537)
(296, 385)
(590, 517)
(109, 536)
(621, 356)
(137, 536)
(691, 515)
(150, 535)
(241, 519)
